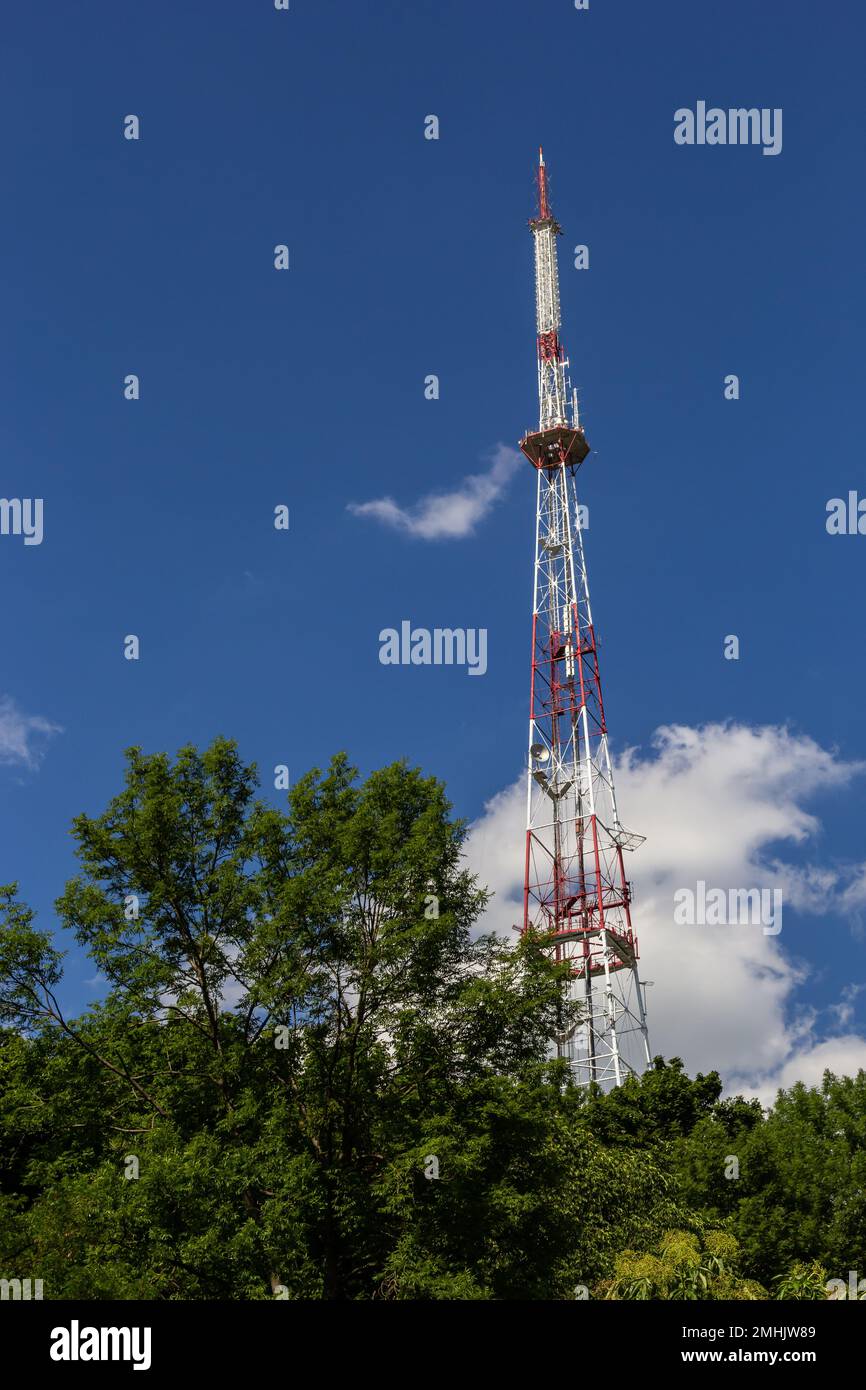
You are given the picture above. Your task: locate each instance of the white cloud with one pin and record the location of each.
(713, 801)
(843, 1012)
(855, 893)
(448, 515)
(845, 1055)
(22, 735)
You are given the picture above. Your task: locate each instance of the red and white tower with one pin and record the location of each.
(575, 888)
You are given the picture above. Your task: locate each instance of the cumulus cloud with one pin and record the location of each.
(716, 803)
(448, 515)
(22, 736)
(844, 1055)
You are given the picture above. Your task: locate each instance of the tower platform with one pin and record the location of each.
(550, 448)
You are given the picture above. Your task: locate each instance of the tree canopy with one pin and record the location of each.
(309, 1076)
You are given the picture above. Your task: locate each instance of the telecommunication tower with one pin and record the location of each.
(575, 888)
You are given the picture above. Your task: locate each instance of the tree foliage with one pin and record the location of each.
(310, 1077)
(307, 1075)
(683, 1266)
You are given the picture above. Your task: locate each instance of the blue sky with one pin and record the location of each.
(411, 257)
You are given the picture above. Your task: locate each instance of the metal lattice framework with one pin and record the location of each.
(575, 887)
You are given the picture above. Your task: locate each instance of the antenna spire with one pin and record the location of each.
(543, 198)
(552, 363)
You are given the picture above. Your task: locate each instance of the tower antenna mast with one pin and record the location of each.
(575, 889)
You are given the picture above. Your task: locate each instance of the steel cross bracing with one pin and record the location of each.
(575, 887)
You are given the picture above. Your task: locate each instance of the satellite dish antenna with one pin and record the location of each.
(539, 753)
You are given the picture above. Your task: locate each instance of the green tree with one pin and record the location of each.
(299, 1031)
(800, 1190)
(683, 1266)
(803, 1282)
(663, 1103)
